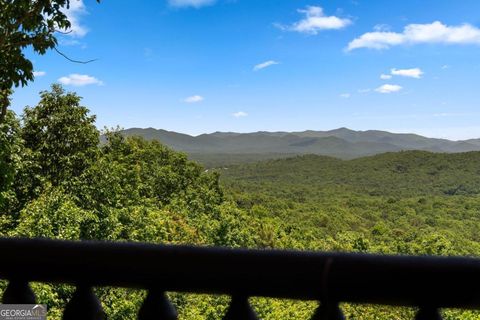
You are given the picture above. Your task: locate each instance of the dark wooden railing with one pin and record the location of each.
(430, 283)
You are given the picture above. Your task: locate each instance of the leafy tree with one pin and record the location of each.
(61, 135)
(9, 150)
(26, 24)
(133, 171)
(10, 157)
(53, 215)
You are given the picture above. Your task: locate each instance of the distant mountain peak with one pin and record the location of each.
(343, 129)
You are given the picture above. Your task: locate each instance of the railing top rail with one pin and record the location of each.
(395, 280)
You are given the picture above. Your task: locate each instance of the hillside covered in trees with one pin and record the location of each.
(58, 181)
(408, 202)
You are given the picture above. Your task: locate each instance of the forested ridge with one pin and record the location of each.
(408, 173)
(411, 202)
(344, 143)
(58, 181)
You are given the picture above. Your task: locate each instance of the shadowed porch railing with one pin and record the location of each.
(425, 282)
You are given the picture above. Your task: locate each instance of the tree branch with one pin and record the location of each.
(72, 60)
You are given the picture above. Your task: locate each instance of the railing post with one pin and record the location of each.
(156, 306)
(328, 311)
(84, 305)
(18, 292)
(428, 313)
(240, 309)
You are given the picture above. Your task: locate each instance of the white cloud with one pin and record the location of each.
(345, 95)
(190, 3)
(39, 73)
(74, 12)
(446, 66)
(240, 114)
(264, 65)
(389, 88)
(435, 32)
(194, 99)
(411, 73)
(315, 21)
(385, 76)
(79, 80)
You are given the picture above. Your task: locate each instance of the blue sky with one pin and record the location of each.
(198, 66)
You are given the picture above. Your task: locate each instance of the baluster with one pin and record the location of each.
(18, 292)
(426, 313)
(84, 305)
(156, 306)
(328, 311)
(240, 309)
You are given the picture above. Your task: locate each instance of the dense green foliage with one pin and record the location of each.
(58, 181)
(61, 135)
(396, 203)
(10, 150)
(409, 202)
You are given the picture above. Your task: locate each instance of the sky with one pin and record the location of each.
(200, 66)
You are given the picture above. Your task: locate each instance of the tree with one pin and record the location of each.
(134, 171)
(26, 24)
(10, 149)
(61, 135)
(53, 215)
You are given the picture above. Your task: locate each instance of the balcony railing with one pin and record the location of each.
(430, 283)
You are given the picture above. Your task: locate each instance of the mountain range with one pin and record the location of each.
(341, 143)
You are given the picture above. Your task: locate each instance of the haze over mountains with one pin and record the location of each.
(342, 143)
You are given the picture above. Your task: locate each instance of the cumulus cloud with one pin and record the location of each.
(194, 99)
(79, 80)
(385, 76)
(389, 88)
(411, 73)
(190, 3)
(264, 65)
(435, 32)
(74, 13)
(240, 114)
(315, 21)
(39, 73)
